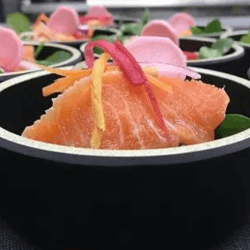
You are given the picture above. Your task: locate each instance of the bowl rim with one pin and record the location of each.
(236, 33)
(76, 54)
(112, 158)
(114, 30)
(226, 29)
(238, 52)
(126, 18)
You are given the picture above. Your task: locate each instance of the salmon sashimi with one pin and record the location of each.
(191, 112)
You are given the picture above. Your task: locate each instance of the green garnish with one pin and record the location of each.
(134, 28)
(97, 37)
(56, 57)
(18, 22)
(39, 50)
(219, 48)
(232, 124)
(211, 27)
(245, 38)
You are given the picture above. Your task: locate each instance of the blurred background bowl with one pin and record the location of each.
(110, 32)
(49, 48)
(225, 63)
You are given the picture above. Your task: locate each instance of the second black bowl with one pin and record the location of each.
(226, 63)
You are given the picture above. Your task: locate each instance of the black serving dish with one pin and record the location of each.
(225, 63)
(120, 20)
(112, 32)
(236, 36)
(72, 197)
(48, 49)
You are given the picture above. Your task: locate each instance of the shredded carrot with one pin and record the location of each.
(58, 86)
(41, 18)
(77, 74)
(96, 100)
(155, 81)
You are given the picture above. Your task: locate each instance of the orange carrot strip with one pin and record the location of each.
(77, 74)
(153, 80)
(58, 86)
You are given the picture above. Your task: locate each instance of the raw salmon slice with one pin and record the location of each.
(191, 114)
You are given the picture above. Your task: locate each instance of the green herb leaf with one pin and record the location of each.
(213, 26)
(97, 37)
(196, 30)
(223, 45)
(18, 22)
(232, 124)
(134, 28)
(39, 49)
(206, 53)
(130, 29)
(56, 57)
(245, 38)
(108, 38)
(144, 19)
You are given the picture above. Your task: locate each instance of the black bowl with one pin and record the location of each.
(236, 36)
(169, 198)
(214, 34)
(112, 32)
(76, 56)
(225, 63)
(120, 20)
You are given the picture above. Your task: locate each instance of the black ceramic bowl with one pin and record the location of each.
(49, 48)
(215, 34)
(236, 35)
(112, 32)
(226, 63)
(120, 20)
(170, 198)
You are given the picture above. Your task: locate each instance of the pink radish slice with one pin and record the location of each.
(162, 51)
(160, 28)
(152, 49)
(172, 70)
(27, 65)
(99, 12)
(182, 21)
(65, 20)
(11, 49)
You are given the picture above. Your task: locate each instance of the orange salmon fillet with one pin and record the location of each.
(191, 113)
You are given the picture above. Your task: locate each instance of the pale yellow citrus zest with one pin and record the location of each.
(96, 100)
(162, 85)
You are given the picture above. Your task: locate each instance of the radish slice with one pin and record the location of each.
(172, 70)
(160, 28)
(27, 65)
(11, 49)
(182, 21)
(154, 49)
(65, 20)
(100, 13)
